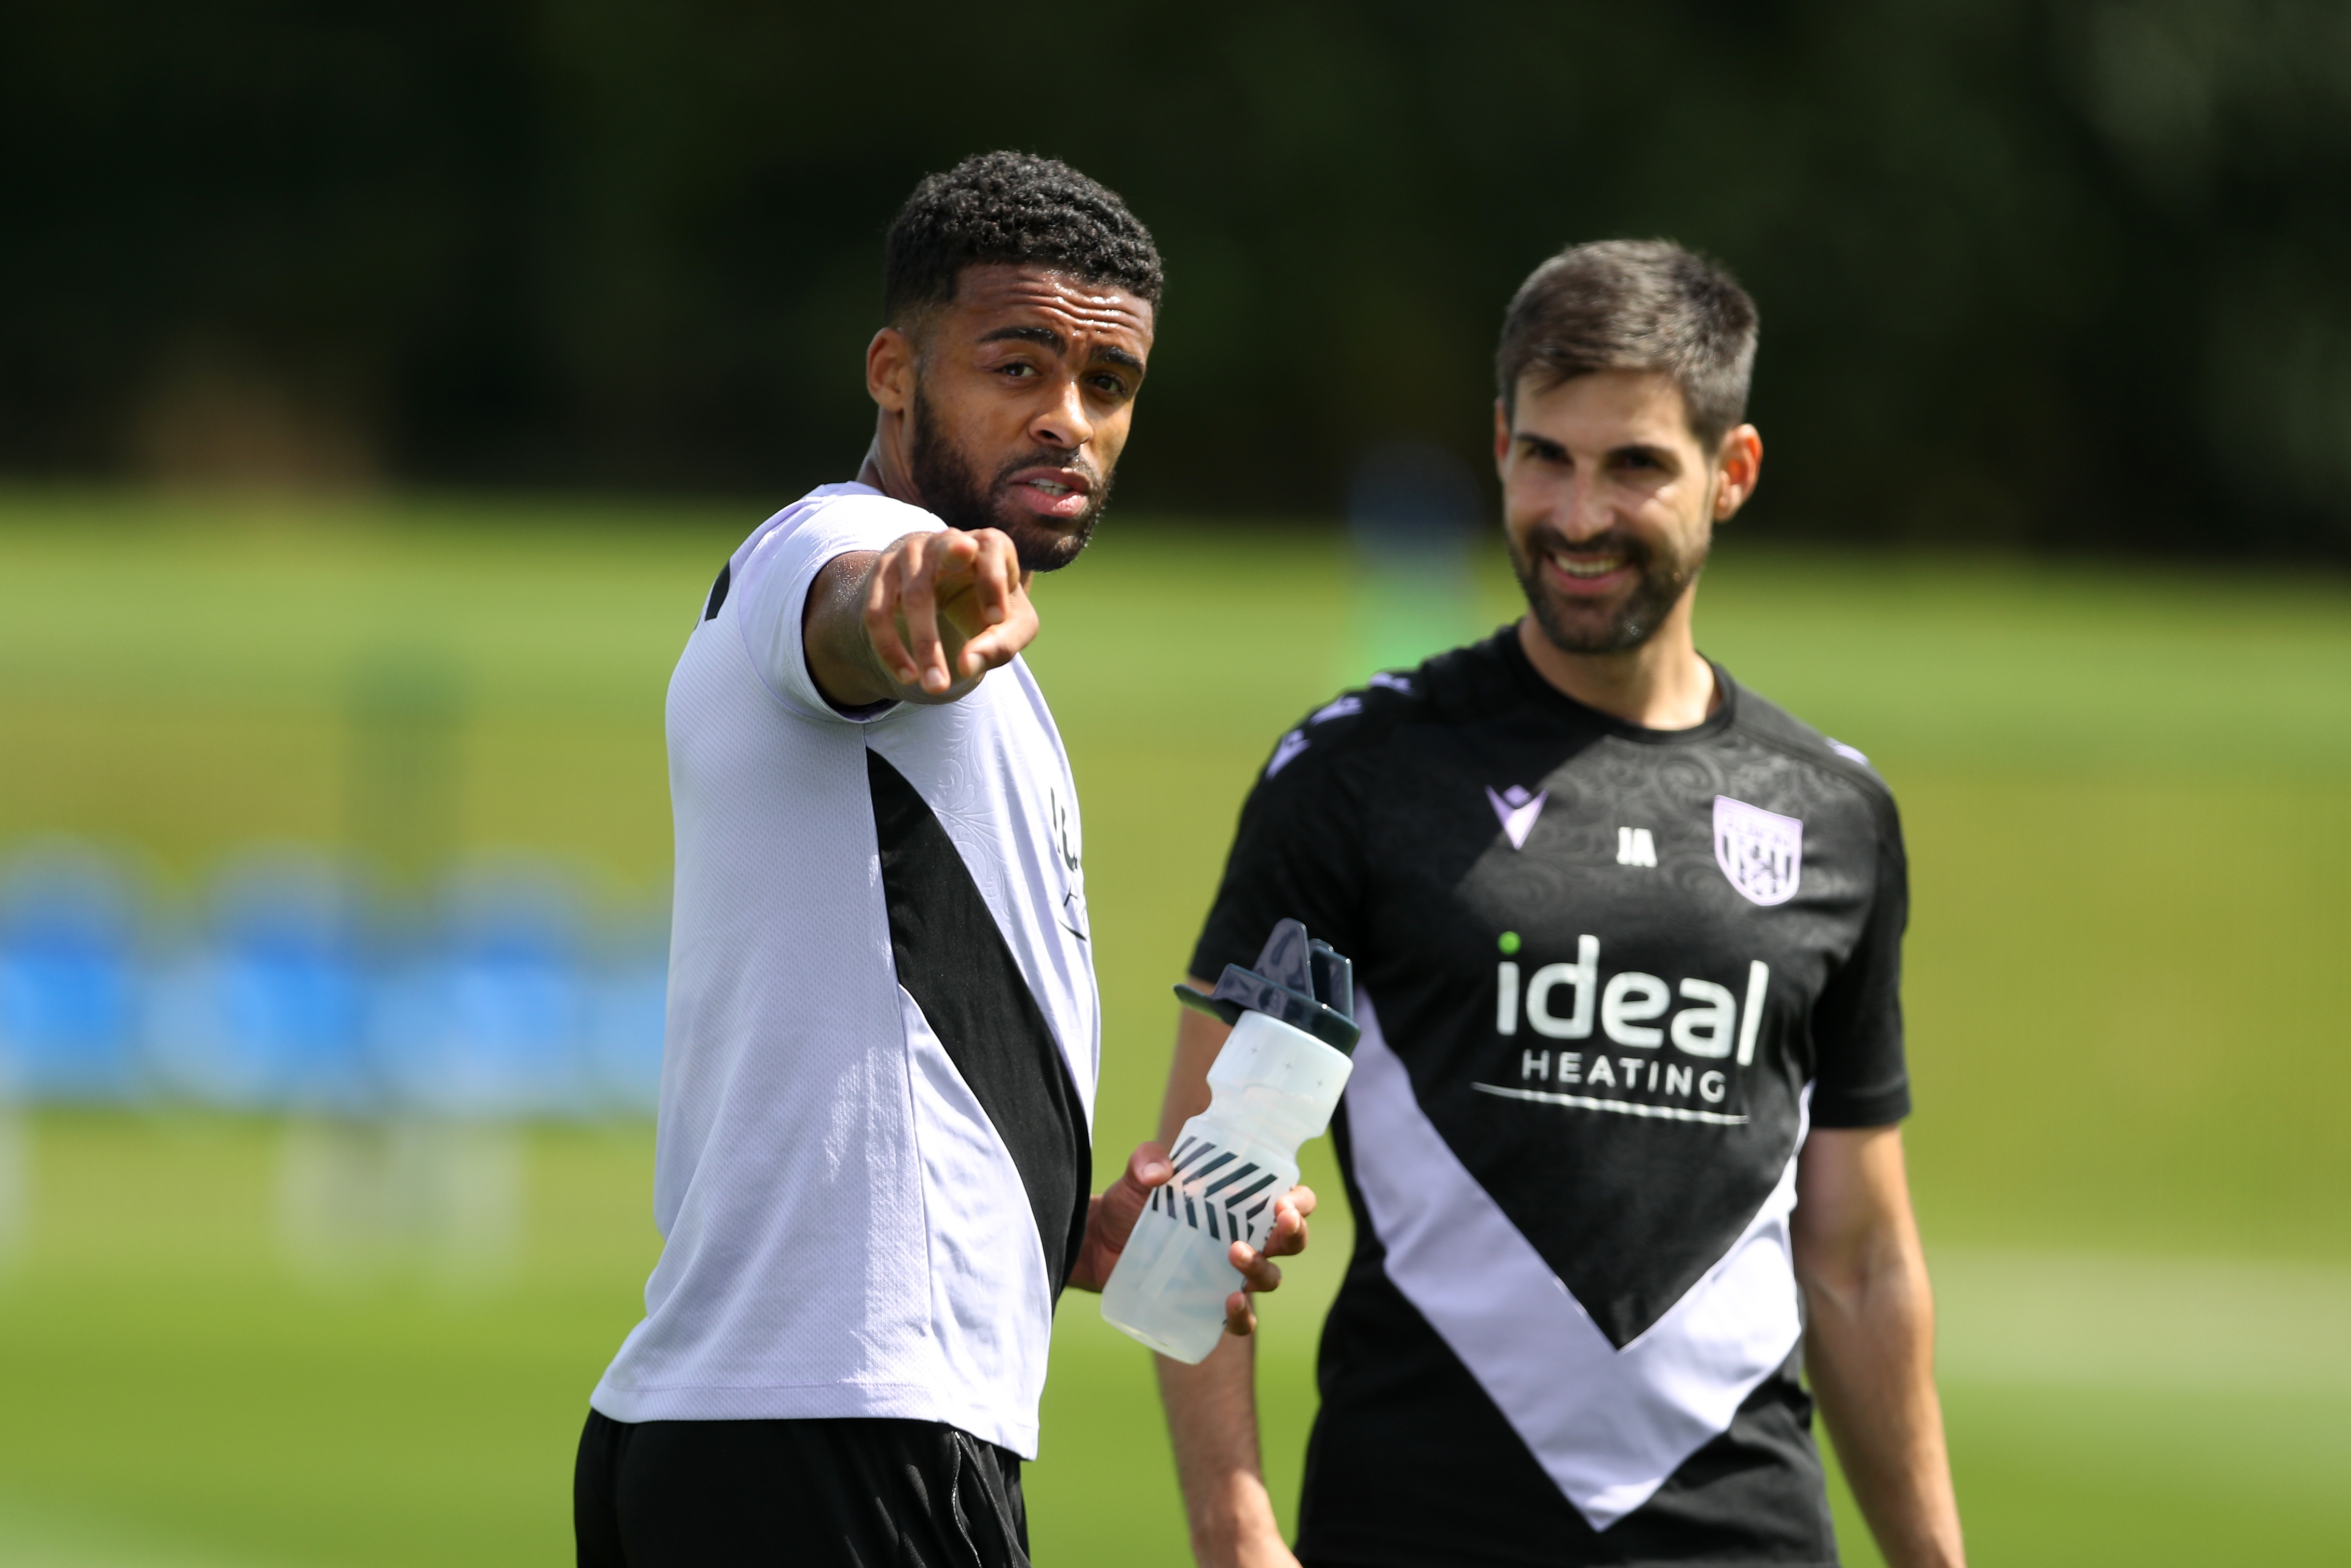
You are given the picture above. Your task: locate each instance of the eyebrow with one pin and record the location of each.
(1545, 444)
(1045, 335)
(1048, 338)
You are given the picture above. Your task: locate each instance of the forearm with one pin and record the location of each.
(954, 599)
(832, 633)
(1199, 1038)
(1212, 1407)
(1870, 1353)
(1212, 1421)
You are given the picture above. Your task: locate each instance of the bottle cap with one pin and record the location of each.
(1298, 980)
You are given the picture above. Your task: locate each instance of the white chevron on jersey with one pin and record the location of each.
(1608, 1426)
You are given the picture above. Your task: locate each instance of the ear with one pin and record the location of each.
(1502, 436)
(1738, 466)
(890, 368)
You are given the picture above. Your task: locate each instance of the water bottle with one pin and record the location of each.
(1273, 1086)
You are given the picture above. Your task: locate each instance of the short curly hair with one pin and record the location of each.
(1011, 208)
(1635, 305)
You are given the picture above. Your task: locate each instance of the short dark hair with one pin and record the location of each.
(1011, 208)
(1635, 305)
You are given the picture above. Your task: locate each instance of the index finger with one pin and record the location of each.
(918, 602)
(995, 577)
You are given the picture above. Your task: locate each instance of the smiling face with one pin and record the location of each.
(1609, 503)
(1015, 400)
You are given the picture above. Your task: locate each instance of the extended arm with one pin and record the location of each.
(1212, 1407)
(1869, 1340)
(920, 622)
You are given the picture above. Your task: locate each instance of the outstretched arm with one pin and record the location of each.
(920, 622)
(1212, 1407)
(1869, 1340)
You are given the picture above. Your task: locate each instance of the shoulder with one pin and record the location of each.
(1768, 724)
(849, 517)
(1360, 721)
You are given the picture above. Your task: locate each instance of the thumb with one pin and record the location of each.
(1122, 1206)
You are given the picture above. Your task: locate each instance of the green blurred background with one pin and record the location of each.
(2128, 791)
(441, 350)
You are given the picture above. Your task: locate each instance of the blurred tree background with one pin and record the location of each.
(2032, 273)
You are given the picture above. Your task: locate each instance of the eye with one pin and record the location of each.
(1018, 369)
(1110, 386)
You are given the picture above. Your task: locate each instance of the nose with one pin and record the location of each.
(1586, 513)
(1064, 425)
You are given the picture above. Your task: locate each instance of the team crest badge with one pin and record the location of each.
(1762, 853)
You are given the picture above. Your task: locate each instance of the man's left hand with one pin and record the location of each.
(1110, 1220)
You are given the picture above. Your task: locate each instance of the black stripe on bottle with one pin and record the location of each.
(1203, 1172)
(1231, 1178)
(1251, 1190)
(955, 963)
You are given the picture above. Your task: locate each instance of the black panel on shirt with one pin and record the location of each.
(953, 960)
(711, 606)
(1411, 1464)
(1379, 823)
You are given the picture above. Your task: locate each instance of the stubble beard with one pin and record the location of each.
(1574, 627)
(952, 492)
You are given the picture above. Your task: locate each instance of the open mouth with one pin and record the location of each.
(1059, 493)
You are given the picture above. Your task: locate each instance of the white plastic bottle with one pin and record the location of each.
(1273, 1086)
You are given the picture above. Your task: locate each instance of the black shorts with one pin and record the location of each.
(856, 1493)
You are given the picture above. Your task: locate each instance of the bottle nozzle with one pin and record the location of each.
(1304, 983)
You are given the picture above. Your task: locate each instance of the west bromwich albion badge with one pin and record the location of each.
(1762, 853)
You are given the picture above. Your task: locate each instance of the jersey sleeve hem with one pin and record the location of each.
(1879, 1108)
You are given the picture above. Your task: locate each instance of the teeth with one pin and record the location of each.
(1050, 487)
(1574, 567)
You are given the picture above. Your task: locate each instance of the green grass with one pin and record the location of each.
(2129, 797)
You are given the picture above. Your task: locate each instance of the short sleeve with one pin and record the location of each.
(772, 573)
(1860, 1077)
(1296, 855)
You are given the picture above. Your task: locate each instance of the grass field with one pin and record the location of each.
(2127, 793)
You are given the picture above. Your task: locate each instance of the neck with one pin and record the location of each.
(1661, 685)
(885, 467)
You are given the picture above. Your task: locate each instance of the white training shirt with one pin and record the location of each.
(882, 1036)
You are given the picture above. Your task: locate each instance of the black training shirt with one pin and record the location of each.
(1608, 973)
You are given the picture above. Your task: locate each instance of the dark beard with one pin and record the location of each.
(954, 493)
(1572, 629)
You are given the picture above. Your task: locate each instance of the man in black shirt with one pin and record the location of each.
(1621, 1135)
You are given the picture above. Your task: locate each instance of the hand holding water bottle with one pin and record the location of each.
(1229, 1195)
(1110, 1222)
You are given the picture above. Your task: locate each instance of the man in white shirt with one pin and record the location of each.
(874, 1153)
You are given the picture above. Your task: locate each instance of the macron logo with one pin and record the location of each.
(1517, 812)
